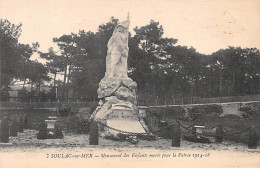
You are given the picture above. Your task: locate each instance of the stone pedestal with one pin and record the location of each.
(49, 130)
(117, 107)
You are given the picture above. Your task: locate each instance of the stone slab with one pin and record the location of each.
(5, 144)
(125, 125)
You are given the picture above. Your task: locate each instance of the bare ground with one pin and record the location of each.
(73, 151)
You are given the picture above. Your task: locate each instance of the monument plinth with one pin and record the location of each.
(117, 92)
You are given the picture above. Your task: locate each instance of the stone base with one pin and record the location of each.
(122, 88)
(5, 144)
(49, 134)
(117, 108)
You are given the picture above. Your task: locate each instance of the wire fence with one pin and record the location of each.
(195, 100)
(44, 105)
(147, 102)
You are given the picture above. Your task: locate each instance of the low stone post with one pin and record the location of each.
(252, 138)
(14, 128)
(193, 131)
(94, 134)
(176, 135)
(21, 123)
(42, 134)
(219, 134)
(26, 122)
(58, 131)
(4, 130)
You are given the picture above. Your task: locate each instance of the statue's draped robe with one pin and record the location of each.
(116, 62)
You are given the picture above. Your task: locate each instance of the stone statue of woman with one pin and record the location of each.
(117, 53)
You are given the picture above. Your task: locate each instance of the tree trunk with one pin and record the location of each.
(54, 80)
(24, 82)
(31, 86)
(64, 82)
(191, 101)
(233, 82)
(220, 82)
(67, 85)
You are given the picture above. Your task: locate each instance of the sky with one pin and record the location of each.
(206, 25)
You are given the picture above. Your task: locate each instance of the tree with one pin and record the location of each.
(68, 51)
(185, 66)
(89, 63)
(55, 63)
(14, 57)
(9, 55)
(162, 70)
(23, 72)
(148, 59)
(236, 69)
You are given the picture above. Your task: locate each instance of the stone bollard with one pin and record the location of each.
(193, 131)
(4, 130)
(14, 128)
(176, 135)
(94, 134)
(26, 122)
(20, 125)
(58, 132)
(219, 134)
(252, 138)
(42, 134)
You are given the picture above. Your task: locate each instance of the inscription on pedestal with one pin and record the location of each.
(122, 112)
(124, 119)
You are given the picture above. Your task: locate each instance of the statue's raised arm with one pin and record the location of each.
(117, 53)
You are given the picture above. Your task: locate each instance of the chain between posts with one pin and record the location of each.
(228, 132)
(134, 133)
(187, 128)
(147, 133)
(240, 132)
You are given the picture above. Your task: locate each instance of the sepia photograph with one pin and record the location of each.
(129, 84)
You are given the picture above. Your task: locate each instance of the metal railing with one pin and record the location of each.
(146, 102)
(44, 105)
(195, 100)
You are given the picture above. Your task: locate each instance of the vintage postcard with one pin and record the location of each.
(129, 84)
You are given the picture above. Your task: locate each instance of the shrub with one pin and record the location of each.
(4, 95)
(93, 107)
(64, 110)
(22, 95)
(152, 118)
(197, 112)
(157, 112)
(174, 112)
(232, 117)
(250, 110)
(75, 124)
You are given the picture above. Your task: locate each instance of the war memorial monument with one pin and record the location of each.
(117, 92)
